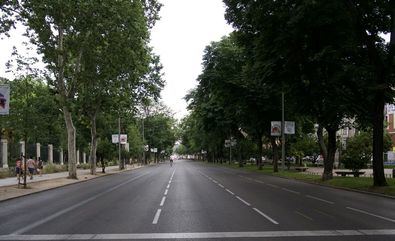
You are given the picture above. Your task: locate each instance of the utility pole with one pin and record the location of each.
(143, 142)
(282, 131)
(119, 143)
(230, 153)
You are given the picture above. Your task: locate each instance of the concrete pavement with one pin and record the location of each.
(9, 186)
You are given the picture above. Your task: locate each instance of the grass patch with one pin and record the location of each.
(357, 183)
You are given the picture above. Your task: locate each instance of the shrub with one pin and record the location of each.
(5, 172)
(359, 150)
(53, 168)
(84, 166)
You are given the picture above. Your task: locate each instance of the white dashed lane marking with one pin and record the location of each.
(156, 218)
(319, 199)
(266, 216)
(372, 214)
(243, 201)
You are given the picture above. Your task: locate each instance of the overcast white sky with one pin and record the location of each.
(185, 28)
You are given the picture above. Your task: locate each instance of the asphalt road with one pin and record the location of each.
(196, 201)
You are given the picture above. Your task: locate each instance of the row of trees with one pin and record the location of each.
(329, 58)
(98, 60)
(36, 117)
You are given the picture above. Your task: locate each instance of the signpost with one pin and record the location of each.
(230, 143)
(4, 99)
(276, 130)
(123, 137)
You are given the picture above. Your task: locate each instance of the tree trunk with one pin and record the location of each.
(71, 135)
(260, 152)
(328, 162)
(92, 160)
(378, 119)
(378, 137)
(321, 142)
(275, 154)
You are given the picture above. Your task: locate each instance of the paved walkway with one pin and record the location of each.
(368, 172)
(9, 186)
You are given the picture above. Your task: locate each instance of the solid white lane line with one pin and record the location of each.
(221, 185)
(203, 235)
(259, 181)
(166, 191)
(319, 199)
(272, 185)
(245, 202)
(229, 191)
(266, 216)
(371, 214)
(304, 215)
(66, 210)
(156, 218)
(291, 191)
(163, 201)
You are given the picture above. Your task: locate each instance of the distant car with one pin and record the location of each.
(319, 161)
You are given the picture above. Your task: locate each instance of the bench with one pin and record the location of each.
(344, 173)
(301, 169)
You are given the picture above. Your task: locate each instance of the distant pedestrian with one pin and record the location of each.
(31, 166)
(39, 166)
(18, 168)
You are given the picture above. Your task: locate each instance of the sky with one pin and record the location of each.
(185, 29)
(179, 38)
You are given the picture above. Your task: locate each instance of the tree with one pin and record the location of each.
(375, 62)
(33, 112)
(313, 68)
(359, 150)
(63, 33)
(111, 78)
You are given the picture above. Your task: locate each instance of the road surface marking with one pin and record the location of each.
(170, 182)
(319, 199)
(272, 185)
(71, 208)
(156, 218)
(289, 190)
(203, 235)
(166, 191)
(323, 213)
(221, 185)
(168, 186)
(163, 201)
(259, 181)
(303, 215)
(245, 202)
(266, 216)
(371, 214)
(214, 181)
(229, 191)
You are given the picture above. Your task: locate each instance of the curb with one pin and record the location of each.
(67, 184)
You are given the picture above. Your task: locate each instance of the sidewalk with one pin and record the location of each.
(9, 186)
(368, 172)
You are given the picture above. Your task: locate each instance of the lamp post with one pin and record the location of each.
(282, 132)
